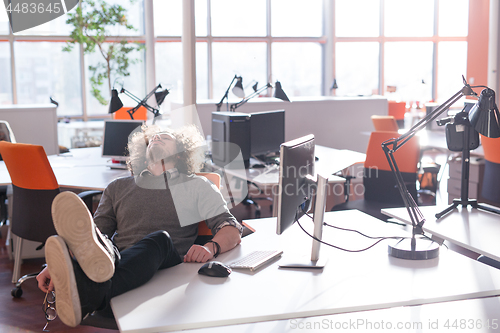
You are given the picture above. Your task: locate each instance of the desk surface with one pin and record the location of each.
(478, 315)
(178, 298)
(330, 161)
(82, 168)
(473, 229)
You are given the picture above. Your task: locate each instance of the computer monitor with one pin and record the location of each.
(267, 132)
(115, 138)
(298, 186)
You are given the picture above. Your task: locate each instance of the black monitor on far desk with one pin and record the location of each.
(267, 133)
(115, 140)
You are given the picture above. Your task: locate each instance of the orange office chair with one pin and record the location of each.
(384, 123)
(34, 186)
(490, 191)
(380, 190)
(6, 134)
(397, 110)
(140, 114)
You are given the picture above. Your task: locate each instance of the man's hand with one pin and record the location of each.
(198, 253)
(44, 281)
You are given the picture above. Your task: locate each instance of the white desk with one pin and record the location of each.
(479, 315)
(473, 229)
(178, 298)
(83, 169)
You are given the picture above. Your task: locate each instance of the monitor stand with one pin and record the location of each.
(314, 262)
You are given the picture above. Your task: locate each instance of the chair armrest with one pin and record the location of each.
(87, 197)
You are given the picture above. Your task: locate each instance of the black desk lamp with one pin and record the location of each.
(237, 90)
(116, 104)
(278, 93)
(483, 115)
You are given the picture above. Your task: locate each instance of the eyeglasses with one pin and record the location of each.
(49, 308)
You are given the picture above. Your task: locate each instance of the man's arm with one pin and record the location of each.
(227, 238)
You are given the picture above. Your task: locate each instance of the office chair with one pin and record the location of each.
(384, 123)
(380, 190)
(140, 114)
(34, 186)
(397, 110)
(490, 191)
(6, 134)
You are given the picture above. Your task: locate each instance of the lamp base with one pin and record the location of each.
(415, 248)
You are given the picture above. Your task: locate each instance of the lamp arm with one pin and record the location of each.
(249, 97)
(142, 102)
(391, 146)
(226, 93)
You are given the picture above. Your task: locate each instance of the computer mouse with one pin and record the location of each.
(215, 268)
(258, 166)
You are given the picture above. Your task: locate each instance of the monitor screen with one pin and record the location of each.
(267, 132)
(294, 190)
(115, 138)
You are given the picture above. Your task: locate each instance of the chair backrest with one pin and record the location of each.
(397, 109)
(384, 123)
(491, 179)
(6, 133)
(34, 187)
(378, 179)
(215, 178)
(140, 114)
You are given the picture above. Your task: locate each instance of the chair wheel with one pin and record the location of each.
(17, 292)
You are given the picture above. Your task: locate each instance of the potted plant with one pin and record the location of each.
(91, 23)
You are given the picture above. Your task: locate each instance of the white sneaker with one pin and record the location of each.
(74, 223)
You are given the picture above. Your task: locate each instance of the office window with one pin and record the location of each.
(364, 21)
(298, 67)
(453, 18)
(43, 70)
(168, 17)
(409, 18)
(357, 68)
(452, 64)
(4, 22)
(296, 18)
(408, 66)
(247, 60)
(238, 18)
(6, 81)
(168, 59)
(56, 27)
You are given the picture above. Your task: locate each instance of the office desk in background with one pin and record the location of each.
(80, 169)
(472, 229)
(179, 298)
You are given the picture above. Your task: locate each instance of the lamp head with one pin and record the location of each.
(160, 96)
(254, 87)
(334, 85)
(279, 93)
(484, 116)
(238, 87)
(115, 104)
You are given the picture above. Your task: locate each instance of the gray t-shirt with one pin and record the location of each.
(132, 208)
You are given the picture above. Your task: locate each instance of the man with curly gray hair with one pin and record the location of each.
(151, 217)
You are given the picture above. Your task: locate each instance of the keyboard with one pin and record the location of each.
(255, 260)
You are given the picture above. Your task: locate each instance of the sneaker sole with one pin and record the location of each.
(61, 272)
(74, 223)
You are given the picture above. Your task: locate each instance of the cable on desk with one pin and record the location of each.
(340, 248)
